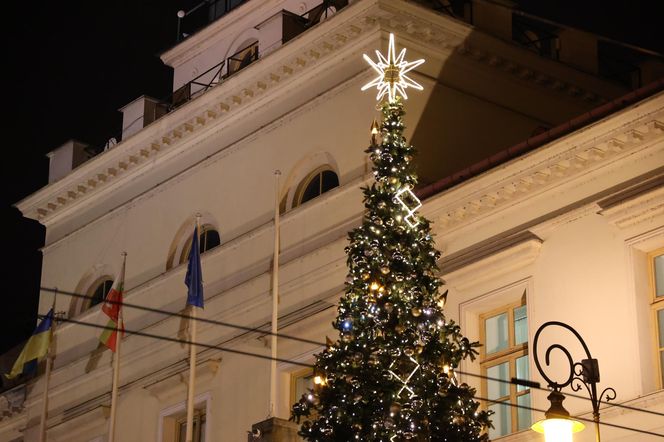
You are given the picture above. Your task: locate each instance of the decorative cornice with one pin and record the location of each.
(636, 206)
(12, 402)
(137, 153)
(554, 164)
(490, 259)
(219, 107)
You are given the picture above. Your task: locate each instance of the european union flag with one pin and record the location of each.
(194, 278)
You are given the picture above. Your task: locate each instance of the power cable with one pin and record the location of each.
(184, 316)
(257, 355)
(180, 341)
(525, 382)
(585, 419)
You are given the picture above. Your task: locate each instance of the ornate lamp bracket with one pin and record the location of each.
(583, 374)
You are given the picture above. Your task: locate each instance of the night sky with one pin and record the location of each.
(70, 65)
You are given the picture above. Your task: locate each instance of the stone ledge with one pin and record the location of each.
(274, 430)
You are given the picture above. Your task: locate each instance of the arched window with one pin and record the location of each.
(208, 239)
(100, 291)
(316, 184)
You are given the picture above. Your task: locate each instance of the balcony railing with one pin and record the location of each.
(201, 15)
(459, 9)
(536, 36)
(242, 58)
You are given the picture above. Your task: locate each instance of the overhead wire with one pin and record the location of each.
(302, 364)
(179, 341)
(530, 384)
(184, 316)
(580, 418)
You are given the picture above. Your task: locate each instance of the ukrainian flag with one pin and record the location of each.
(36, 348)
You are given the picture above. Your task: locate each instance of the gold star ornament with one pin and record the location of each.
(392, 70)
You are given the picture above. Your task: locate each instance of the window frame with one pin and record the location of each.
(200, 417)
(299, 374)
(170, 418)
(509, 354)
(656, 304)
(93, 290)
(304, 184)
(205, 228)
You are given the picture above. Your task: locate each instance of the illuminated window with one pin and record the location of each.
(302, 382)
(101, 289)
(316, 184)
(208, 239)
(504, 333)
(656, 271)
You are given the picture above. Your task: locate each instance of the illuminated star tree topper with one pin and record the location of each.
(392, 70)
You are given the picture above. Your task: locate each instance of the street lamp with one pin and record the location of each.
(557, 424)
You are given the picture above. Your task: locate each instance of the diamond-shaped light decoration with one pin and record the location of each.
(410, 204)
(407, 379)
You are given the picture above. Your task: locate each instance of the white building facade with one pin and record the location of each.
(567, 228)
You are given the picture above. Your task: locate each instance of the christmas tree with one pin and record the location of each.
(390, 375)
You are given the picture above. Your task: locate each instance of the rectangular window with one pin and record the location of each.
(656, 270)
(504, 333)
(302, 382)
(173, 421)
(199, 427)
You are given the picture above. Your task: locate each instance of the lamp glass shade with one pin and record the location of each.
(558, 430)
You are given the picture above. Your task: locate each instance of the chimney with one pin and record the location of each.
(66, 158)
(139, 113)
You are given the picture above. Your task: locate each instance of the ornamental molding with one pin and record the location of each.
(636, 207)
(12, 402)
(276, 74)
(555, 165)
(490, 260)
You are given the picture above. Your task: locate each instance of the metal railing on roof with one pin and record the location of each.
(536, 36)
(201, 15)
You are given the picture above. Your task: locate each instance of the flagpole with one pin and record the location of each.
(192, 358)
(275, 300)
(47, 375)
(116, 361)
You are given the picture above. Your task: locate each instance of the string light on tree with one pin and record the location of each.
(390, 374)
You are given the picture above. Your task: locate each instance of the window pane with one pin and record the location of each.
(661, 364)
(498, 389)
(501, 419)
(497, 337)
(209, 240)
(330, 181)
(312, 190)
(100, 292)
(520, 325)
(522, 371)
(659, 275)
(302, 385)
(523, 417)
